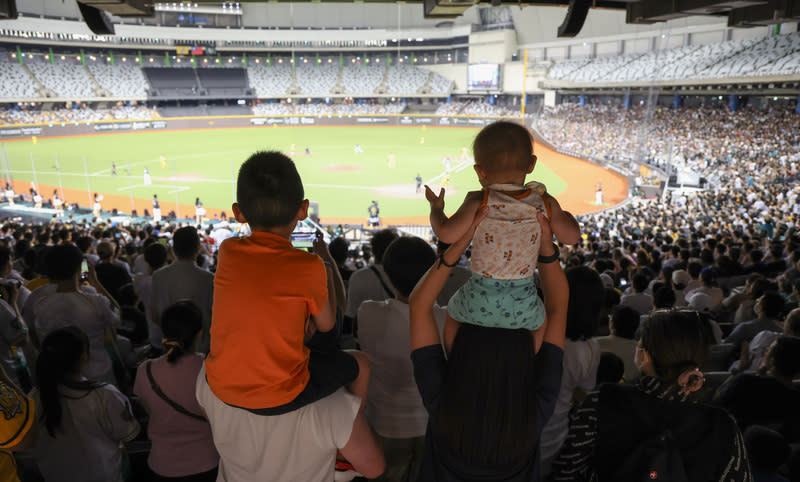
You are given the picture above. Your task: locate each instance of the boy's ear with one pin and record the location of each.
(533, 163)
(237, 213)
(302, 213)
(480, 172)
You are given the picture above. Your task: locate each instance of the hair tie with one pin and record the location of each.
(691, 381)
(172, 344)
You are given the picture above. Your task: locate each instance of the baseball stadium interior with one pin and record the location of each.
(302, 241)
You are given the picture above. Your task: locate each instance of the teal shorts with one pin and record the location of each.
(498, 303)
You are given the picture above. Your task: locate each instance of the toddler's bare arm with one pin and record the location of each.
(564, 224)
(450, 230)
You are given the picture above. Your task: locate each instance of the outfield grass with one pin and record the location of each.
(202, 163)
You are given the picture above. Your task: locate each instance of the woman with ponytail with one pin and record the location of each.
(82, 422)
(183, 449)
(659, 429)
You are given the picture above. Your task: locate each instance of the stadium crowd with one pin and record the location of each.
(729, 148)
(680, 308)
(32, 114)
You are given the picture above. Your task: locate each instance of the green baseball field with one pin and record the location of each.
(184, 165)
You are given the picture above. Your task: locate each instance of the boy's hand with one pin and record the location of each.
(436, 202)
(321, 247)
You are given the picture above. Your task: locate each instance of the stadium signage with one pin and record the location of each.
(372, 120)
(406, 120)
(424, 120)
(24, 131)
(444, 121)
(160, 124)
(117, 126)
(307, 120)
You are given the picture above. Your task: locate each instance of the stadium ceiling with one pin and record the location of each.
(740, 13)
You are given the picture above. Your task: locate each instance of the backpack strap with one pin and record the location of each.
(163, 396)
(388, 290)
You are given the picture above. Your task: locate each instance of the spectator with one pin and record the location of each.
(638, 300)
(623, 325)
(269, 393)
(370, 283)
(183, 448)
(394, 407)
(769, 308)
(581, 356)
(183, 279)
(338, 249)
(63, 304)
(111, 274)
(769, 398)
(708, 288)
(83, 421)
(155, 255)
(482, 425)
(672, 347)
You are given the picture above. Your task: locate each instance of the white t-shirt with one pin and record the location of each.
(91, 313)
(181, 280)
(12, 333)
(364, 285)
(298, 446)
(87, 447)
(394, 407)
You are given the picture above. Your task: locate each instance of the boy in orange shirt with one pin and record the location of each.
(268, 296)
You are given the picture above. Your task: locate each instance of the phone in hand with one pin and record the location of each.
(84, 270)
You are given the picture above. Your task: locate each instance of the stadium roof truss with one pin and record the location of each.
(740, 13)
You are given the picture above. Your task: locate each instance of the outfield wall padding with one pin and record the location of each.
(178, 123)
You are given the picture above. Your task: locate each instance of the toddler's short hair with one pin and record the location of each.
(269, 190)
(503, 146)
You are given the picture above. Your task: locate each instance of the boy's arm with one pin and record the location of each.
(449, 230)
(325, 320)
(564, 224)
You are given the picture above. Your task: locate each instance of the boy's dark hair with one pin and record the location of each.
(155, 255)
(503, 146)
(663, 296)
(626, 321)
(269, 190)
(180, 323)
(186, 242)
(84, 243)
(338, 250)
(405, 261)
(380, 241)
(639, 282)
(694, 268)
(610, 369)
(63, 261)
(772, 303)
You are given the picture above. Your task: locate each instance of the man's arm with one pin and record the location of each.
(554, 288)
(450, 230)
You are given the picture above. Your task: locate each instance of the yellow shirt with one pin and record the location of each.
(16, 418)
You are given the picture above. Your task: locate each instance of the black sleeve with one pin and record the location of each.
(429, 366)
(549, 368)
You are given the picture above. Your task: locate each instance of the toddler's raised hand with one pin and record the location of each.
(436, 202)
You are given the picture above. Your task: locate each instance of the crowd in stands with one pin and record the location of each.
(731, 149)
(284, 108)
(78, 113)
(759, 57)
(676, 320)
(475, 108)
